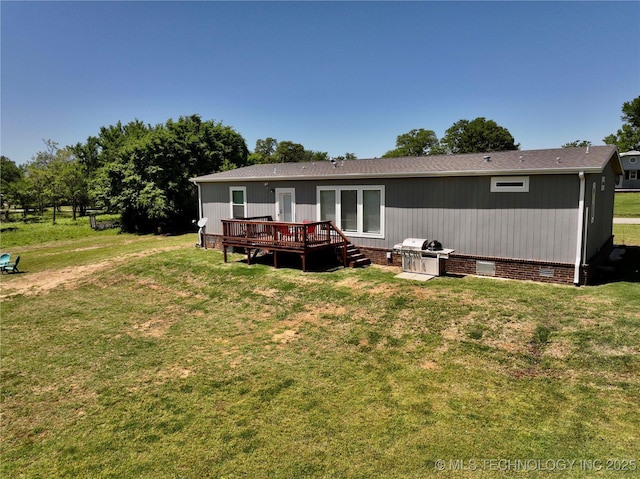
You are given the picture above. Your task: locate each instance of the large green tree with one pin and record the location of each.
(418, 142)
(43, 178)
(289, 152)
(145, 175)
(477, 136)
(74, 180)
(10, 176)
(264, 151)
(270, 150)
(627, 138)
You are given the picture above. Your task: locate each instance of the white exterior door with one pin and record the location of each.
(286, 205)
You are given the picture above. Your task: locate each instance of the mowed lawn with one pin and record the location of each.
(145, 357)
(627, 205)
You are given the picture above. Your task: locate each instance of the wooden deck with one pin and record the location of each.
(255, 234)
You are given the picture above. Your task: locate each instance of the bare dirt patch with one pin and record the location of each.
(33, 284)
(294, 323)
(285, 337)
(429, 365)
(154, 328)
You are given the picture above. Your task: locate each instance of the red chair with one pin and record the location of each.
(310, 229)
(283, 230)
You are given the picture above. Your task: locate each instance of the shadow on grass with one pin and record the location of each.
(627, 269)
(320, 262)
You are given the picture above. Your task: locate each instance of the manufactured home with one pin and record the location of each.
(630, 180)
(543, 215)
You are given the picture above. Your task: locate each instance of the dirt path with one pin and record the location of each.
(37, 283)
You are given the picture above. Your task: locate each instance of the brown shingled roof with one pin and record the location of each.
(550, 161)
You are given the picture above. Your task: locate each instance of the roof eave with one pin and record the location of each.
(421, 174)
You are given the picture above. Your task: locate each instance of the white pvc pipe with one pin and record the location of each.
(576, 272)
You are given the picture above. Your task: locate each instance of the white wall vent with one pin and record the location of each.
(547, 272)
(486, 268)
(509, 184)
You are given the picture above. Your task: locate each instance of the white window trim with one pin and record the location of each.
(244, 197)
(293, 202)
(632, 160)
(497, 187)
(360, 209)
(633, 175)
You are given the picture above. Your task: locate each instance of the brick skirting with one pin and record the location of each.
(510, 268)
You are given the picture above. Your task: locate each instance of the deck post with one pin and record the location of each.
(275, 259)
(224, 252)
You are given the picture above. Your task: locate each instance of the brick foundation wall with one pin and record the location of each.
(514, 269)
(504, 267)
(546, 272)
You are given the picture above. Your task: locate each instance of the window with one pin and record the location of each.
(238, 196)
(509, 184)
(633, 174)
(357, 210)
(603, 183)
(633, 159)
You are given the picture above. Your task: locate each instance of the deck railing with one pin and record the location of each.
(262, 231)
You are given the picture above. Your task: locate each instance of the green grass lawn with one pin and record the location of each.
(627, 205)
(626, 234)
(149, 358)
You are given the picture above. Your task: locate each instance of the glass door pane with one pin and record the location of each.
(328, 205)
(371, 211)
(286, 211)
(349, 210)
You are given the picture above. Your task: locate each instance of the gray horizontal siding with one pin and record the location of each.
(462, 213)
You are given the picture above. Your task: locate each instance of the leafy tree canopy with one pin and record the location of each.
(577, 143)
(627, 138)
(10, 175)
(270, 150)
(144, 171)
(418, 142)
(477, 136)
(464, 136)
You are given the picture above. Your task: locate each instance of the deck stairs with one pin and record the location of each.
(355, 259)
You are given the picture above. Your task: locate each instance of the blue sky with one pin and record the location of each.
(334, 76)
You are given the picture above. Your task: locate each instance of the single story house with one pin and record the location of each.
(630, 180)
(543, 215)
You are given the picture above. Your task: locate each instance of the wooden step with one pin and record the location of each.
(355, 259)
(359, 263)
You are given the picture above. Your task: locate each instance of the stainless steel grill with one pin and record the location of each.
(422, 256)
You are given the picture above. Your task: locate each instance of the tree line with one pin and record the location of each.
(137, 170)
(142, 171)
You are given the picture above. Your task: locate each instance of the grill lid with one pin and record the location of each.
(434, 245)
(414, 244)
